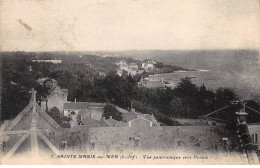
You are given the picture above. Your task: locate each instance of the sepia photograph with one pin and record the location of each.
(130, 82)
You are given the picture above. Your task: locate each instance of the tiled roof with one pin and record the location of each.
(191, 122)
(150, 118)
(47, 117)
(129, 116)
(90, 122)
(77, 105)
(57, 90)
(82, 105)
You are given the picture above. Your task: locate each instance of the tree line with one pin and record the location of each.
(186, 100)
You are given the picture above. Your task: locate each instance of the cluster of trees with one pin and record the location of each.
(186, 100)
(111, 110)
(55, 114)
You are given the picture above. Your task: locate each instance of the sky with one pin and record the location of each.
(82, 25)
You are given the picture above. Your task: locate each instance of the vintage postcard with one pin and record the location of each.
(130, 82)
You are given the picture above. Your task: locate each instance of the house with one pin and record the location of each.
(84, 108)
(148, 65)
(132, 71)
(133, 65)
(154, 84)
(31, 125)
(132, 115)
(129, 116)
(254, 130)
(56, 98)
(122, 65)
(90, 122)
(82, 120)
(92, 112)
(74, 107)
(119, 72)
(140, 123)
(48, 61)
(151, 83)
(101, 74)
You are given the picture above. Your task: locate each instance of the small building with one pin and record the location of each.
(140, 123)
(56, 98)
(148, 65)
(254, 130)
(133, 65)
(101, 74)
(122, 65)
(134, 115)
(55, 61)
(90, 122)
(85, 108)
(151, 83)
(132, 71)
(119, 72)
(154, 84)
(91, 112)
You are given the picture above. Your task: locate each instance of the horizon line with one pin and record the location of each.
(67, 51)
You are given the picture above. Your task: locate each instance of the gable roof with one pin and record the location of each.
(47, 117)
(28, 109)
(150, 118)
(16, 120)
(58, 91)
(129, 116)
(141, 119)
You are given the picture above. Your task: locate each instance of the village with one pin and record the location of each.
(54, 125)
(33, 129)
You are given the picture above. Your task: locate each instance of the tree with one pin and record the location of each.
(110, 110)
(224, 96)
(55, 114)
(63, 121)
(187, 92)
(177, 109)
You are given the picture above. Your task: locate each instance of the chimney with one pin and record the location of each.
(91, 115)
(75, 101)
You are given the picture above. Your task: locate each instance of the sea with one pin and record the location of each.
(238, 70)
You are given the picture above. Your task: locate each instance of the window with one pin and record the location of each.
(255, 138)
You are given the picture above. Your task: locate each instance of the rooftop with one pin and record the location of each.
(90, 122)
(82, 105)
(154, 84)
